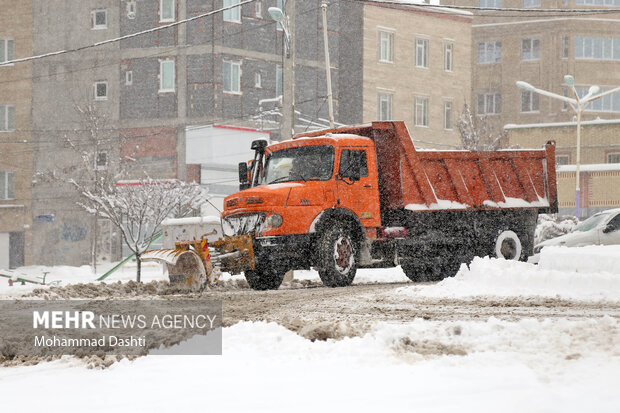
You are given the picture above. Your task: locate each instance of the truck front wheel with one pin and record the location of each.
(337, 257)
(508, 245)
(265, 277)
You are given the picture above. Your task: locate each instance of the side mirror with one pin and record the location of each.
(244, 182)
(609, 228)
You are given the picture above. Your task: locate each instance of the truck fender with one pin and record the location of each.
(335, 214)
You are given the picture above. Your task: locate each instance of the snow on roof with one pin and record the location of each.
(562, 124)
(427, 5)
(590, 168)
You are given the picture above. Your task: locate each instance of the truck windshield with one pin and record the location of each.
(306, 163)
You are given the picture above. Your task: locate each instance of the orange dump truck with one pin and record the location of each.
(364, 197)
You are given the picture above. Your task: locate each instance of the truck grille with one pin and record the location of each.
(242, 224)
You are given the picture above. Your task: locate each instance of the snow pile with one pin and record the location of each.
(591, 273)
(482, 366)
(551, 226)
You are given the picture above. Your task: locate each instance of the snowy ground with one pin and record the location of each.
(565, 363)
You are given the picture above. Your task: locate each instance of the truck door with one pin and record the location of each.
(359, 195)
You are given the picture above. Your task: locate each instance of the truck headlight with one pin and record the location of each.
(273, 221)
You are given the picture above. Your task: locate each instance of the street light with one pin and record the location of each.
(278, 15)
(579, 105)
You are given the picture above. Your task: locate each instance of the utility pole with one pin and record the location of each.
(328, 75)
(288, 73)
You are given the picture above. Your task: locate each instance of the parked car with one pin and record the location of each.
(602, 228)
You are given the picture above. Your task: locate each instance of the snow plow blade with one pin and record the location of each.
(233, 254)
(185, 267)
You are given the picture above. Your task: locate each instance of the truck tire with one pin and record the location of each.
(508, 245)
(266, 277)
(337, 257)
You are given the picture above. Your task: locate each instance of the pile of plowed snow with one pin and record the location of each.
(586, 273)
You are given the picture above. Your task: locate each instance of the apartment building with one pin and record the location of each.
(15, 135)
(146, 90)
(540, 47)
(415, 66)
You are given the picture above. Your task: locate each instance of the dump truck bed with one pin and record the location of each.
(461, 180)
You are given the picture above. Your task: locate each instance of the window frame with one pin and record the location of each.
(487, 4)
(496, 103)
(608, 155)
(232, 15)
(129, 78)
(386, 97)
(162, 64)
(420, 101)
(258, 80)
(258, 9)
(534, 49)
(173, 9)
(425, 47)
(8, 56)
(238, 65)
(563, 156)
(390, 46)
(93, 17)
(97, 166)
(8, 184)
(530, 4)
(448, 57)
(447, 115)
(9, 121)
(565, 47)
(279, 81)
(490, 56)
(96, 90)
(534, 100)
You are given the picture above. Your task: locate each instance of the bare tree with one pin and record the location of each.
(477, 134)
(137, 208)
(97, 165)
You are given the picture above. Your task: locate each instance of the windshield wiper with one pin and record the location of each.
(280, 179)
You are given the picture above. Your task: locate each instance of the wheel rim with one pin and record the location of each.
(509, 249)
(343, 254)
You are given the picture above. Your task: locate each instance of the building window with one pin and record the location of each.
(131, 9)
(258, 80)
(565, 47)
(420, 113)
(598, 2)
(166, 10)
(129, 78)
(447, 115)
(7, 185)
(166, 76)
(258, 9)
(490, 52)
(598, 48)
(421, 53)
(7, 50)
(232, 76)
(384, 106)
(447, 57)
(489, 104)
(101, 90)
(7, 118)
(531, 3)
(234, 14)
(562, 160)
(101, 160)
(609, 103)
(529, 101)
(530, 49)
(386, 41)
(278, 81)
(99, 19)
(492, 4)
(613, 157)
(564, 104)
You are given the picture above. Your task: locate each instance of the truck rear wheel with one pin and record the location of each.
(266, 277)
(508, 245)
(337, 256)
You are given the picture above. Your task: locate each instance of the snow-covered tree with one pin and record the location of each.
(137, 208)
(477, 134)
(552, 226)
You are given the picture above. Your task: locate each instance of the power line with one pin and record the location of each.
(128, 36)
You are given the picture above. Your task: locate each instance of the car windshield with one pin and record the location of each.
(305, 163)
(591, 223)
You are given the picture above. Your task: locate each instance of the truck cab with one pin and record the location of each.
(301, 186)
